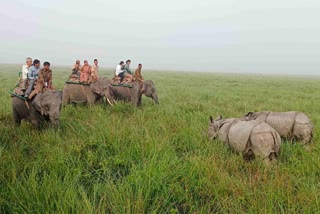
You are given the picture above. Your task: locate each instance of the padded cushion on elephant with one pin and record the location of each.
(122, 85)
(79, 83)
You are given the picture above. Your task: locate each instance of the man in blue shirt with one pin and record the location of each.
(32, 76)
(128, 72)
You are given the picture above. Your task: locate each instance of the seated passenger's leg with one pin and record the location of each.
(30, 87)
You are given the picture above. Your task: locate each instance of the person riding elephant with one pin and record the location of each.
(90, 94)
(44, 107)
(32, 76)
(137, 74)
(85, 72)
(44, 80)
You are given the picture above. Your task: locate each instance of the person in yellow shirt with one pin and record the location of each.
(137, 74)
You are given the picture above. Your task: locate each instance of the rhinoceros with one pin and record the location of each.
(291, 125)
(251, 138)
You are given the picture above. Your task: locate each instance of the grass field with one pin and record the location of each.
(156, 159)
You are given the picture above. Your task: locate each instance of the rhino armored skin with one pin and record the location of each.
(251, 138)
(291, 125)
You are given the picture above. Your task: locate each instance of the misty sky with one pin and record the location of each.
(205, 35)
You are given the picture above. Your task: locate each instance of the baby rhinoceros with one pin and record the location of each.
(251, 138)
(291, 125)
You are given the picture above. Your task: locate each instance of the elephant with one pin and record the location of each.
(149, 90)
(45, 106)
(133, 94)
(251, 138)
(291, 125)
(90, 94)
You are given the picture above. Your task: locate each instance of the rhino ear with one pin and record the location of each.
(248, 114)
(219, 118)
(211, 119)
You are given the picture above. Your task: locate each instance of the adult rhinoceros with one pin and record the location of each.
(251, 138)
(291, 125)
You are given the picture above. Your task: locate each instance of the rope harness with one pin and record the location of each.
(27, 104)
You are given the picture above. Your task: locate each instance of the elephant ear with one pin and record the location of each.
(95, 87)
(152, 83)
(36, 103)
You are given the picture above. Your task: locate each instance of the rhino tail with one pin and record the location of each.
(248, 154)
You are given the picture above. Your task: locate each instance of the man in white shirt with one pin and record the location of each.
(24, 71)
(120, 70)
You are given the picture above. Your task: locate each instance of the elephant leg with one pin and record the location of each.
(65, 99)
(16, 118)
(135, 100)
(139, 100)
(99, 100)
(91, 98)
(35, 123)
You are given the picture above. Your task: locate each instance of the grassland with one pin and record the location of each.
(156, 159)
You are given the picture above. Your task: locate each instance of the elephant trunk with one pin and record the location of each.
(55, 118)
(155, 98)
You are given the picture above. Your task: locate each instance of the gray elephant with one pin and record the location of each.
(251, 138)
(44, 107)
(90, 94)
(149, 90)
(292, 125)
(133, 94)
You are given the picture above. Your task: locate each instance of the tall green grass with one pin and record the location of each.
(157, 159)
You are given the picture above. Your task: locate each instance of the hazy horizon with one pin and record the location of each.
(247, 36)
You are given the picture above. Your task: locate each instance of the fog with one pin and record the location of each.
(275, 36)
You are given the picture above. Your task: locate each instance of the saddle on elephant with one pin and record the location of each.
(19, 89)
(115, 81)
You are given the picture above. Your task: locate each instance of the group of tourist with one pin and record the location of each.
(32, 73)
(85, 73)
(124, 74)
(37, 78)
(88, 74)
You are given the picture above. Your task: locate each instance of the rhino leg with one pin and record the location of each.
(272, 157)
(248, 155)
(263, 145)
(303, 132)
